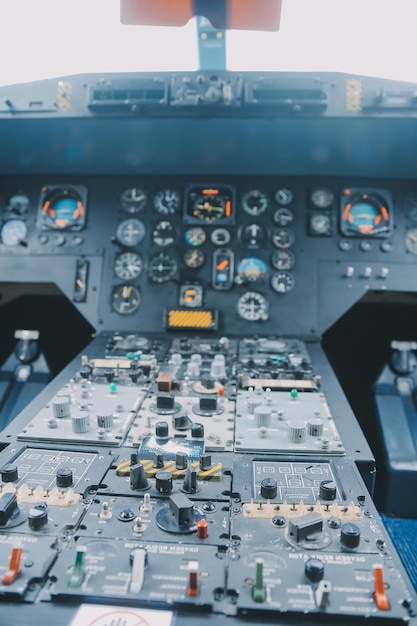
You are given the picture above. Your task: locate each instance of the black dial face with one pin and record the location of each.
(366, 214)
(128, 265)
(283, 238)
(284, 196)
(283, 260)
(253, 236)
(255, 202)
(167, 201)
(220, 237)
(253, 307)
(162, 267)
(62, 208)
(209, 204)
(282, 282)
(283, 216)
(130, 232)
(125, 299)
(194, 258)
(133, 200)
(163, 234)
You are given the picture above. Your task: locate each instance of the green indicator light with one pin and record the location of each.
(294, 393)
(113, 387)
(77, 570)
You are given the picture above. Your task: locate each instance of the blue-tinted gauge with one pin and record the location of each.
(282, 282)
(13, 232)
(194, 258)
(251, 269)
(320, 224)
(195, 236)
(283, 260)
(366, 213)
(62, 208)
(209, 204)
(130, 232)
(283, 238)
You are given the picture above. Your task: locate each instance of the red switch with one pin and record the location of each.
(381, 599)
(14, 565)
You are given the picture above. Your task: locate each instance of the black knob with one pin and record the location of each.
(64, 477)
(37, 518)
(181, 460)
(190, 484)
(327, 490)
(163, 482)
(208, 382)
(314, 570)
(269, 488)
(205, 461)
(8, 508)
(197, 430)
(138, 478)
(161, 429)
(350, 535)
(9, 473)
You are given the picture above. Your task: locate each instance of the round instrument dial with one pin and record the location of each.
(162, 267)
(167, 201)
(366, 214)
(19, 203)
(283, 238)
(410, 240)
(321, 197)
(253, 236)
(253, 307)
(255, 202)
(209, 204)
(282, 282)
(13, 232)
(133, 200)
(194, 258)
(130, 232)
(163, 234)
(125, 299)
(284, 196)
(283, 216)
(128, 265)
(251, 269)
(62, 209)
(283, 259)
(220, 236)
(195, 236)
(320, 224)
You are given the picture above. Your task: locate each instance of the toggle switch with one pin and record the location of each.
(138, 480)
(14, 565)
(258, 591)
(190, 484)
(77, 572)
(381, 599)
(138, 561)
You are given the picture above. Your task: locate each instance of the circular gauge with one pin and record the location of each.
(283, 260)
(284, 196)
(410, 240)
(253, 236)
(283, 238)
(61, 209)
(195, 236)
(251, 269)
(13, 232)
(209, 204)
(320, 224)
(167, 201)
(321, 198)
(220, 237)
(125, 299)
(128, 265)
(19, 203)
(163, 234)
(365, 214)
(282, 282)
(255, 202)
(283, 216)
(253, 306)
(130, 232)
(133, 200)
(194, 258)
(162, 267)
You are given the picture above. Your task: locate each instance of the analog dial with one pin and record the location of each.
(320, 224)
(125, 299)
(133, 200)
(195, 236)
(167, 201)
(163, 234)
(162, 267)
(130, 232)
(19, 203)
(411, 240)
(321, 197)
(253, 236)
(13, 232)
(220, 236)
(253, 307)
(194, 258)
(283, 238)
(128, 265)
(209, 204)
(283, 216)
(251, 269)
(255, 202)
(284, 196)
(366, 214)
(283, 260)
(282, 282)
(62, 208)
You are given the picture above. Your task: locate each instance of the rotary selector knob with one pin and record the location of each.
(269, 488)
(253, 403)
(37, 518)
(315, 427)
(218, 367)
(161, 429)
(64, 477)
(297, 432)
(350, 536)
(314, 570)
(105, 420)
(61, 406)
(263, 416)
(9, 473)
(80, 422)
(163, 482)
(327, 490)
(197, 430)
